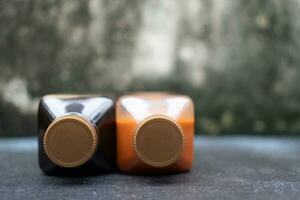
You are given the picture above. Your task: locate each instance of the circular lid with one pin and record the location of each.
(70, 141)
(158, 141)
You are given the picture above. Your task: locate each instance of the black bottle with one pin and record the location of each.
(76, 134)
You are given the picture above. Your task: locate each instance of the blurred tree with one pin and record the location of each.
(237, 59)
(50, 45)
(249, 88)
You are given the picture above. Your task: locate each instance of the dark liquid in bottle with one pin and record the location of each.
(76, 134)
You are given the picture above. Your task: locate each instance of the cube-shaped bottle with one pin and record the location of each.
(155, 133)
(76, 134)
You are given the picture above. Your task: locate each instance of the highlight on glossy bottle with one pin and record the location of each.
(76, 134)
(155, 133)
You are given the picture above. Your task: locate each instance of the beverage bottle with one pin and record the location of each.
(76, 134)
(155, 133)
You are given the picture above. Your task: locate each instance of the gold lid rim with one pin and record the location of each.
(88, 155)
(158, 118)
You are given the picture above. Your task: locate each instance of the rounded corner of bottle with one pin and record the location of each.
(41, 103)
(44, 97)
(188, 164)
(42, 164)
(121, 167)
(41, 167)
(111, 101)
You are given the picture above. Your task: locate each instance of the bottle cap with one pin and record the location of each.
(70, 141)
(159, 141)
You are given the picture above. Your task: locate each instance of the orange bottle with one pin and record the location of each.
(155, 133)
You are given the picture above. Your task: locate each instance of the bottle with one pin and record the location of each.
(76, 134)
(155, 133)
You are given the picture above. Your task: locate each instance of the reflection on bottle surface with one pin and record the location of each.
(76, 134)
(155, 133)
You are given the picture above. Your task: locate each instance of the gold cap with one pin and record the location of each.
(70, 141)
(158, 141)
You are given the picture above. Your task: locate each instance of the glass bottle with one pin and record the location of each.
(76, 134)
(155, 133)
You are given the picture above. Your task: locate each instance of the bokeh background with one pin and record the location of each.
(239, 59)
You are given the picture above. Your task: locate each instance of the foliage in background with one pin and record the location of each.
(255, 87)
(250, 85)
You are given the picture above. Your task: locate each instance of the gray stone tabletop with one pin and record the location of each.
(224, 168)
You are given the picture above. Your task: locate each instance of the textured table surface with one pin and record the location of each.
(225, 168)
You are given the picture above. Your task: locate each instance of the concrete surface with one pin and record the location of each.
(225, 168)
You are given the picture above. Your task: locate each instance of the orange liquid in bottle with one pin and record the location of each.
(155, 133)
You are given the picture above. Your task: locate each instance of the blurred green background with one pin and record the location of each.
(238, 59)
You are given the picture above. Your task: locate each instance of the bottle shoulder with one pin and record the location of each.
(90, 106)
(142, 105)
